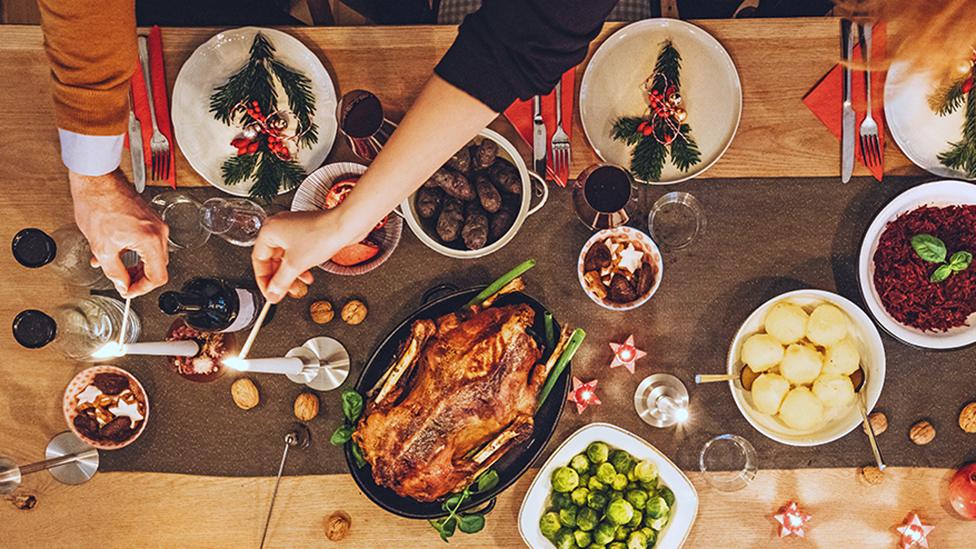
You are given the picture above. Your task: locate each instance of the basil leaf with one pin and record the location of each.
(447, 527)
(452, 503)
(341, 435)
(960, 261)
(352, 405)
(471, 524)
(487, 481)
(357, 456)
(929, 248)
(940, 274)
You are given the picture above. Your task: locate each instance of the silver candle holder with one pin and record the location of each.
(69, 460)
(326, 363)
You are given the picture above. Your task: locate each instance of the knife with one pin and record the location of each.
(538, 138)
(135, 150)
(847, 111)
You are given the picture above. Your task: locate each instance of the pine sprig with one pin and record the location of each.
(298, 90)
(669, 64)
(275, 174)
(961, 155)
(947, 99)
(625, 129)
(648, 158)
(238, 168)
(684, 150)
(252, 82)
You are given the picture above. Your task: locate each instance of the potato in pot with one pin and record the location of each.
(488, 195)
(429, 201)
(449, 222)
(475, 231)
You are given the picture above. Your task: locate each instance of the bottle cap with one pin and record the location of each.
(33, 248)
(169, 303)
(34, 329)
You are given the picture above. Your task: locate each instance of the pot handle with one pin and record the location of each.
(543, 197)
(432, 293)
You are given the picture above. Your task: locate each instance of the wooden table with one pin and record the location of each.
(778, 62)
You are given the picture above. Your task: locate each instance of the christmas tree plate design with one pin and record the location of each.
(921, 134)
(710, 89)
(206, 141)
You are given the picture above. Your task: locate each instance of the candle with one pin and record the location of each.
(152, 348)
(282, 365)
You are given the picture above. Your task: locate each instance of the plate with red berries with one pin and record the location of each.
(325, 189)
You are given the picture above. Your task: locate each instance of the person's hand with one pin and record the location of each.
(114, 219)
(290, 244)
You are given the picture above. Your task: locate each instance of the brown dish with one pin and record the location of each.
(618, 268)
(207, 365)
(106, 407)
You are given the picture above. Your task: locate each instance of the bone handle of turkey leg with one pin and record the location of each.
(516, 285)
(498, 443)
(564, 337)
(418, 337)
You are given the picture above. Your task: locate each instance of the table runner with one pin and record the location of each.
(763, 237)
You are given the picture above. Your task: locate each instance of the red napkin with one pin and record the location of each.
(825, 98)
(140, 106)
(520, 115)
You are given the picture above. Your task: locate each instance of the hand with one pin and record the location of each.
(114, 219)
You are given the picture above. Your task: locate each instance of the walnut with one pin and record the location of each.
(967, 418)
(922, 433)
(298, 289)
(306, 406)
(245, 393)
(322, 312)
(878, 421)
(871, 475)
(337, 525)
(23, 502)
(354, 312)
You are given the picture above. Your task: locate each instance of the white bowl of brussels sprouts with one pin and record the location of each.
(605, 486)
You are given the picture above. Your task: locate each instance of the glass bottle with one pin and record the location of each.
(78, 328)
(213, 305)
(66, 251)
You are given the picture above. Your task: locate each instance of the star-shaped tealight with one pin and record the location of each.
(625, 354)
(129, 410)
(914, 532)
(89, 395)
(792, 520)
(583, 394)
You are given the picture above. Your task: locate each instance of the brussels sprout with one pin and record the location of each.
(604, 533)
(651, 536)
(564, 479)
(559, 500)
(620, 511)
(605, 473)
(549, 524)
(636, 540)
(596, 500)
(621, 533)
(667, 494)
(646, 471)
(615, 495)
(619, 482)
(622, 461)
(637, 498)
(617, 545)
(595, 485)
(636, 521)
(580, 463)
(567, 516)
(597, 452)
(595, 546)
(564, 539)
(659, 523)
(587, 519)
(632, 475)
(656, 507)
(585, 479)
(649, 487)
(579, 495)
(583, 539)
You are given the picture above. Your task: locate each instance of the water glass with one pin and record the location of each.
(676, 220)
(182, 214)
(729, 462)
(236, 220)
(362, 123)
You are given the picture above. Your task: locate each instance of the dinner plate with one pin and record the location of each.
(919, 132)
(937, 193)
(611, 88)
(205, 141)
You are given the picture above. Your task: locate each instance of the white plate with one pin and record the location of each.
(938, 193)
(611, 88)
(683, 513)
(920, 133)
(840, 422)
(205, 141)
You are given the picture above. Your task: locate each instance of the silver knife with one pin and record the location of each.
(538, 138)
(847, 111)
(135, 150)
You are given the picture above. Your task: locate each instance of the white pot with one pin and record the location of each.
(507, 151)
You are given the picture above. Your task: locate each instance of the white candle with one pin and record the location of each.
(281, 365)
(186, 347)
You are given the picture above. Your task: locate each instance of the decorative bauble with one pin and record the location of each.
(675, 99)
(251, 131)
(680, 115)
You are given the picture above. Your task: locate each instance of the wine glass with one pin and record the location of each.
(181, 213)
(729, 462)
(362, 123)
(236, 220)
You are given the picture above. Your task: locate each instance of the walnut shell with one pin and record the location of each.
(298, 289)
(870, 475)
(322, 312)
(245, 393)
(354, 312)
(922, 433)
(337, 525)
(306, 406)
(878, 421)
(967, 418)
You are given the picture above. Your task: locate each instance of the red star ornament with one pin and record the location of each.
(626, 354)
(914, 532)
(792, 520)
(583, 394)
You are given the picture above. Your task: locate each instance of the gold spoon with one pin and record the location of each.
(858, 378)
(746, 377)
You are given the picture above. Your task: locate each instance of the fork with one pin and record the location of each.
(158, 145)
(870, 144)
(560, 140)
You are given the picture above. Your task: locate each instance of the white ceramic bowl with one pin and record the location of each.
(507, 151)
(683, 513)
(839, 421)
(938, 193)
(649, 247)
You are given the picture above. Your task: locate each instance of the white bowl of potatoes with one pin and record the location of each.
(801, 350)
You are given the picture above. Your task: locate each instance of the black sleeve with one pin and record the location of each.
(512, 49)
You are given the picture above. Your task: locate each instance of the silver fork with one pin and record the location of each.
(870, 144)
(560, 140)
(158, 145)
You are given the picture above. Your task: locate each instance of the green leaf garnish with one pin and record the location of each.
(471, 524)
(943, 272)
(960, 261)
(352, 405)
(487, 481)
(929, 248)
(341, 435)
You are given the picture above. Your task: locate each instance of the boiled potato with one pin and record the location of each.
(801, 409)
(834, 390)
(786, 322)
(801, 364)
(768, 391)
(761, 352)
(827, 325)
(842, 358)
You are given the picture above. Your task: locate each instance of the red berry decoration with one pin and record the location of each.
(967, 86)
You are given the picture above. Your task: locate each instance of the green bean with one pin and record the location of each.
(574, 343)
(501, 282)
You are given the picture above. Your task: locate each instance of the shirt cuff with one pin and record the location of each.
(90, 155)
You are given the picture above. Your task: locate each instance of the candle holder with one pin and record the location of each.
(326, 363)
(661, 400)
(67, 458)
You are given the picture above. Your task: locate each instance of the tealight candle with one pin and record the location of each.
(280, 365)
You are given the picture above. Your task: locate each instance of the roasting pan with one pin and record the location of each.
(439, 301)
